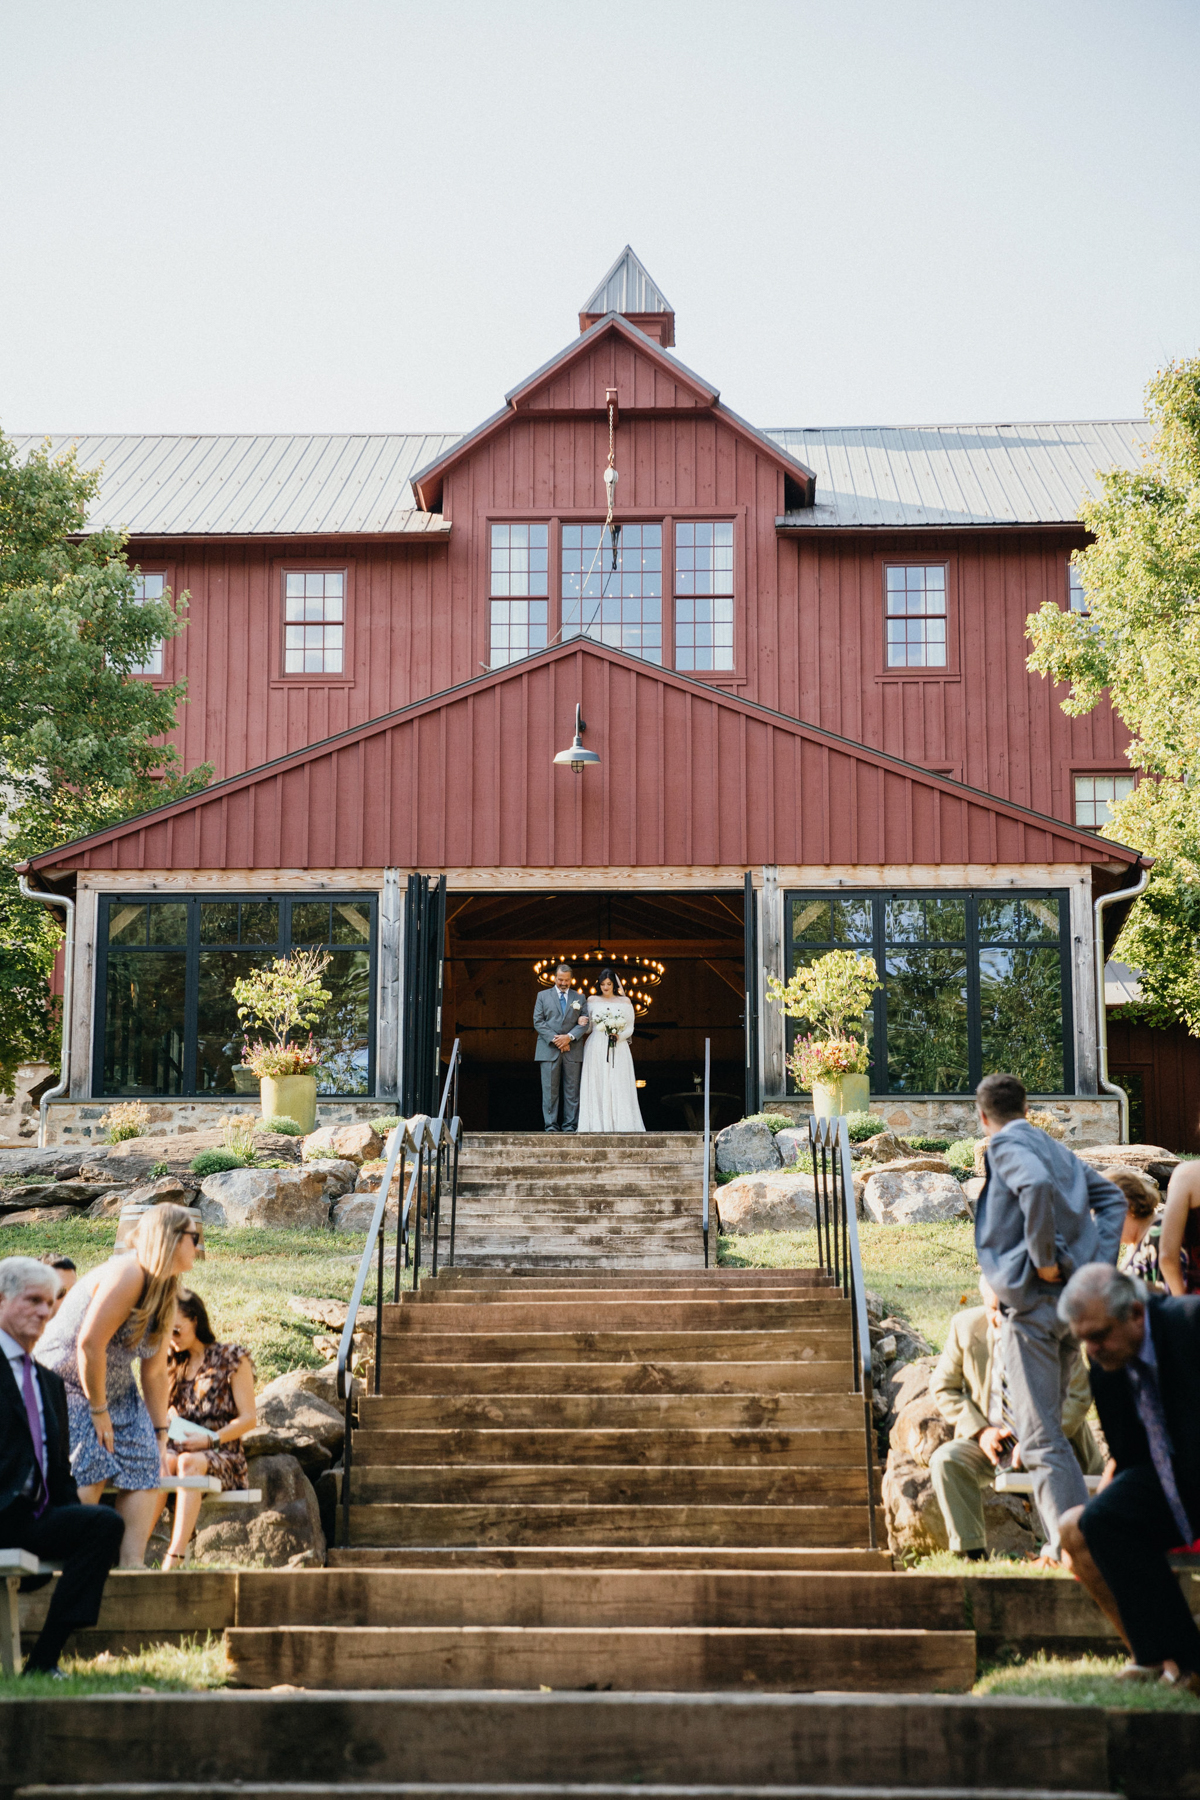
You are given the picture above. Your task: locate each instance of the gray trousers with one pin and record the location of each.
(1039, 1360)
(561, 1076)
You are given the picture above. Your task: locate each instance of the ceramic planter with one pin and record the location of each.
(849, 1093)
(295, 1096)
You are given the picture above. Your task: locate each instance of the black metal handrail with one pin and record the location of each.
(707, 1139)
(839, 1255)
(432, 1143)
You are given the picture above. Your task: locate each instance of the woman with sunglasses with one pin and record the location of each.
(120, 1314)
(212, 1409)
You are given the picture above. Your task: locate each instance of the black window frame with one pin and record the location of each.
(878, 898)
(190, 951)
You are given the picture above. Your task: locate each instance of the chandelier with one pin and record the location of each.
(638, 975)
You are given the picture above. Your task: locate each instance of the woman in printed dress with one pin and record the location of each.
(212, 1387)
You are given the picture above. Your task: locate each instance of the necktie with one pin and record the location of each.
(563, 1004)
(1006, 1411)
(1149, 1405)
(35, 1429)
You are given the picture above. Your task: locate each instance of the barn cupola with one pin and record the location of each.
(627, 289)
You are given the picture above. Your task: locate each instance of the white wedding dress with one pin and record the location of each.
(608, 1087)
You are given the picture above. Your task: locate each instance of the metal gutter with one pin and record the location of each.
(1107, 1086)
(64, 1066)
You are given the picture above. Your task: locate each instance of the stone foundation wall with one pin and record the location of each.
(1089, 1119)
(73, 1121)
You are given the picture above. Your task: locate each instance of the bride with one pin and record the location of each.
(608, 1088)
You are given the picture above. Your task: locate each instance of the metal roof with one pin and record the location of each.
(898, 475)
(218, 486)
(627, 288)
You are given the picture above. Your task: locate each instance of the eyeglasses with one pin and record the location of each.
(194, 1235)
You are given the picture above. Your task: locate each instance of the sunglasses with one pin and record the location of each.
(194, 1235)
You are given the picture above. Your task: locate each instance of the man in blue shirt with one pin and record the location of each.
(1042, 1214)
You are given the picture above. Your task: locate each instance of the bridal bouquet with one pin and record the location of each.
(611, 1020)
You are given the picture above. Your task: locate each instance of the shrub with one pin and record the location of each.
(383, 1126)
(926, 1143)
(864, 1125)
(773, 1121)
(128, 1120)
(961, 1155)
(214, 1162)
(238, 1134)
(160, 1168)
(284, 1124)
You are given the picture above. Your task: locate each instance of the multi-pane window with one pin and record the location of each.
(1095, 795)
(167, 969)
(619, 605)
(150, 587)
(704, 596)
(1077, 598)
(971, 983)
(916, 615)
(519, 591)
(314, 621)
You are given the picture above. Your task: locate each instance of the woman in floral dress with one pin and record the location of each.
(212, 1386)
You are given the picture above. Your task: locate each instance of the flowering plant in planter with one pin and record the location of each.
(285, 997)
(832, 993)
(826, 1060)
(281, 1059)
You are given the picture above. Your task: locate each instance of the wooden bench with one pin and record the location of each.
(14, 1564)
(1020, 1481)
(210, 1486)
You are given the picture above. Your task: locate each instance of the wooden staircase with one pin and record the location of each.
(653, 1481)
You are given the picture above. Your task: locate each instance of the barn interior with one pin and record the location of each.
(682, 951)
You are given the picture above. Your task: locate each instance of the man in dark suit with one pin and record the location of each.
(39, 1506)
(1144, 1353)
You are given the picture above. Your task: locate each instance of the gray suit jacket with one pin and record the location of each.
(549, 1024)
(1041, 1205)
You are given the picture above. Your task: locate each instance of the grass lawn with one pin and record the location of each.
(923, 1272)
(1086, 1680)
(245, 1280)
(164, 1669)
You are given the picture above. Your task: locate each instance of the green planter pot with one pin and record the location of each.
(293, 1095)
(850, 1093)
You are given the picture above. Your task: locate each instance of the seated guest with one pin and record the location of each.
(1179, 1245)
(1144, 1353)
(970, 1390)
(1140, 1235)
(212, 1386)
(67, 1274)
(39, 1506)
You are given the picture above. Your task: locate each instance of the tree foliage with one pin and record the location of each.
(1140, 641)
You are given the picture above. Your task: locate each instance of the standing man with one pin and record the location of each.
(39, 1507)
(560, 1018)
(1042, 1214)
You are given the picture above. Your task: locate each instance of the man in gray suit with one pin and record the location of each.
(560, 1018)
(1042, 1214)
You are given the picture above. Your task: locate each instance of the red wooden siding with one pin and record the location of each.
(1165, 1065)
(687, 775)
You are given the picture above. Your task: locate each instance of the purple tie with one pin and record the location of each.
(35, 1431)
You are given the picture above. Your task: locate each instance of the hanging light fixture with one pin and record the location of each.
(639, 975)
(577, 756)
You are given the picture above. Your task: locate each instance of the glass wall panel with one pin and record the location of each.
(220, 1034)
(927, 1022)
(144, 1020)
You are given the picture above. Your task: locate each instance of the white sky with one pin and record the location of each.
(371, 215)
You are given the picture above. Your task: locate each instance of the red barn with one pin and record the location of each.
(800, 659)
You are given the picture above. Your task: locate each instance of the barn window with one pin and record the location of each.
(971, 983)
(150, 587)
(314, 621)
(916, 615)
(704, 596)
(519, 591)
(619, 605)
(1077, 598)
(1095, 796)
(166, 969)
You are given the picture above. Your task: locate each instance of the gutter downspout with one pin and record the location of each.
(1107, 1086)
(64, 1069)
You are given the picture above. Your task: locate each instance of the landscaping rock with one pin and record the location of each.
(746, 1148)
(293, 1421)
(776, 1201)
(919, 1429)
(135, 1159)
(286, 1524)
(913, 1162)
(56, 1193)
(884, 1147)
(41, 1215)
(356, 1211)
(57, 1163)
(1148, 1159)
(265, 1197)
(913, 1198)
(109, 1207)
(340, 1175)
(370, 1179)
(972, 1187)
(333, 1314)
(793, 1148)
(1046, 1121)
(168, 1190)
(351, 1143)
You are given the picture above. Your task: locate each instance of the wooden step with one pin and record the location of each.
(713, 1279)
(600, 1484)
(249, 1790)
(648, 1447)
(813, 1375)
(433, 1293)
(810, 1343)
(823, 1312)
(627, 1659)
(804, 1558)
(536, 1522)
(609, 1412)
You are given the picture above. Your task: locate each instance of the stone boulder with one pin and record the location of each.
(58, 1163)
(265, 1197)
(284, 1528)
(1147, 1159)
(793, 1147)
(327, 1312)
(340, 1174)
(136, 1159)
(348, 1143)
(56, 1193)
(914, 1197)
(777, 1201)
(109, 1207)
(168, 1190)
(370, 1179)
(42, 1215)
(919, 1429)
(294, 1421)
(356, 1211)
(1047, 1122)
(884, 1147)
(746, 1148)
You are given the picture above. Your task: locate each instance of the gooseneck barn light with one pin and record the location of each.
(577, 756)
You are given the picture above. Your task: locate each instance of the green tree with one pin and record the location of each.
(80, 741)
(1140, 641)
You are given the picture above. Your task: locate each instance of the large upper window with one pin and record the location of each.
(166, 969)
(150, 587)
(619, 605)
(519, 591)
(314, 621)
(972, 983)
(704, 596)
(916, 615)
(1095, 796)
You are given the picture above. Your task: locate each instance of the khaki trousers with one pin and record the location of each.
(960, 1472)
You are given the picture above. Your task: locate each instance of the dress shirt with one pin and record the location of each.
(16, 1361)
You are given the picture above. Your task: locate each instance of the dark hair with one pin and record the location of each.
(605, 975)
(53, 1261)
(192, 1307)
(569, 967)
(1002, 1097)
